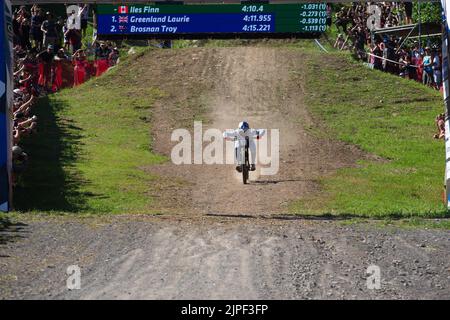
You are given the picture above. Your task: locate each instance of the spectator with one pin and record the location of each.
(341, 20)
(340, 42)
(35, 28)
(60, 26)
(440, 125)
(329, 15)
(436, 70)
(378, 53)
(101, 58)
(74, 39)
(24, 31)
(45, 67)
(50, 31)
(427, 77)
(84, 14)
(419, 64)
(113, 57)
(19, 162)
(408, 11)
(80, 64)
(59, 58)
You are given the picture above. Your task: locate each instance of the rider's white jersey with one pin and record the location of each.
(238, 135)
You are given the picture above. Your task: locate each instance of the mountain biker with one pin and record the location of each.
(238, 136)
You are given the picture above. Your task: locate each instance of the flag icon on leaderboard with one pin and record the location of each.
(123, 9)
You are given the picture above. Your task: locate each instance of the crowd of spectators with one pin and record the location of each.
(48, 56)
(391, 54)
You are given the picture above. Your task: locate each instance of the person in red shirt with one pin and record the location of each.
(73, 37)
(79, 70)
(45, 67)
(419, 64)
(58, 78)
(101, 59)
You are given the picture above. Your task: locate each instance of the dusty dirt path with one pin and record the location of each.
(256, 84)
(220, 258)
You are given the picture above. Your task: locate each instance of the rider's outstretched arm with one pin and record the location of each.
(229, 134)
(258, 133)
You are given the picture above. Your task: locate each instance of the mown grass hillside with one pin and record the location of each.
(91, 143)
(388, 117)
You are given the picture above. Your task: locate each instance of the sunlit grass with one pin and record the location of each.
(386, 116)
(92, 143)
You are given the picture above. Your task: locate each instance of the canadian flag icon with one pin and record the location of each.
(123, 9)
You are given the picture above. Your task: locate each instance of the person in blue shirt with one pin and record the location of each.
(427, 63)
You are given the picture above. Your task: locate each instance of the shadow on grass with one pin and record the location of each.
(51, 182)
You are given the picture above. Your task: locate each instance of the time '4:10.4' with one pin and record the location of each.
(253, 8)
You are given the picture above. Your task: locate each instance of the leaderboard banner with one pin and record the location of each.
(5, 104)
(306, 20)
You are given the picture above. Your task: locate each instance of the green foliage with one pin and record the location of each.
(429, 12)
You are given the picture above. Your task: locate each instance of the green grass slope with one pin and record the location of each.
(386, 116)
(91, 143)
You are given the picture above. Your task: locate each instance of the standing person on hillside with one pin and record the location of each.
(408, 11)
(24, 30)
(341, 20)
(340, 41)
(404, 64)
(437, 79)
(79, 70)
(390, 55)
(60, 24)
(427, 63)
(84, 15)
(113, 57)
(45, 67)
(378, 53)
(16, 28)
(50, 31)
(74, 38)
(35, 27)
(415, 62)
(65, 33)
(383, 47)
(419, 64)
(59, 59)
(101, 58)
(329, 15)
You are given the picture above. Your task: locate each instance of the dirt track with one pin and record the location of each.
(221, 258)
(263, 86)
(196, 250)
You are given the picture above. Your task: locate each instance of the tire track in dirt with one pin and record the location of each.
(255, 84)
